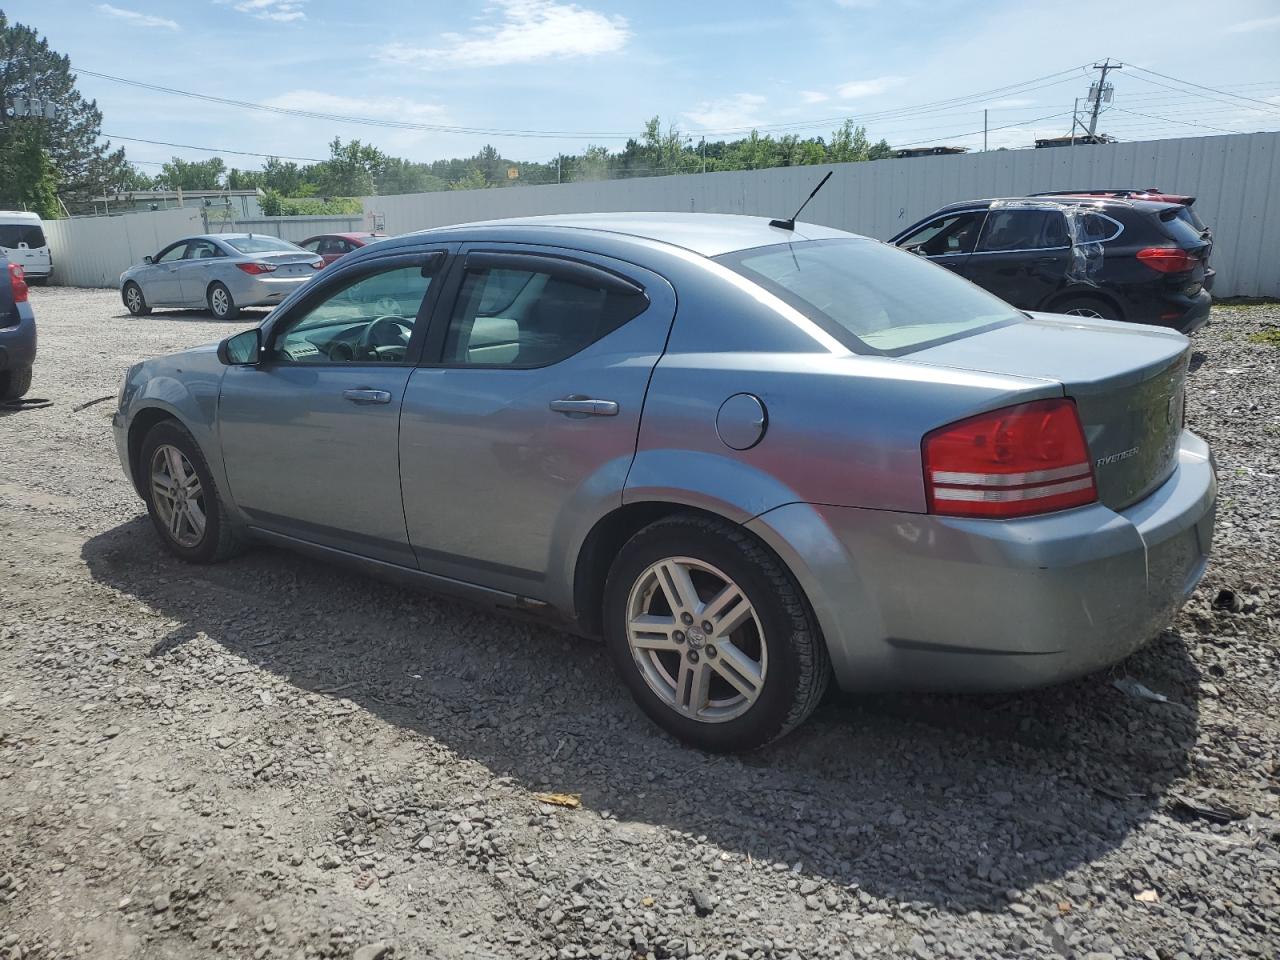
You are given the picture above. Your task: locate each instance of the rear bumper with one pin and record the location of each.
(18, 342)
(260, 291)
(916, 602)
(1186, 314)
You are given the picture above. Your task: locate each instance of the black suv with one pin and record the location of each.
(1109, 257)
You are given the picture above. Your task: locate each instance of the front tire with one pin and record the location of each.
(221, 304)
(182, 499)
(712, 635)
(133, 299)
(14, 384)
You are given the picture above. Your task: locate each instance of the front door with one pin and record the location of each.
(161, 282)
(947, 240)
(1022, 256)
(519, 429)
(309, 435)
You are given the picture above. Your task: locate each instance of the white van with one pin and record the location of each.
(22, 238)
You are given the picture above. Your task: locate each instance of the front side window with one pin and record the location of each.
(872, 297)
(531, 318)
(173, 253)
(1012, 230)
(371, 318)
(952, 234)
(257, 244)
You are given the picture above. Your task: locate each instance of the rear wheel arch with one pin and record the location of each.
(1068, 298)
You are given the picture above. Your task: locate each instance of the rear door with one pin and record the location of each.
(1022, 256)
(24, 243)
(520, 427)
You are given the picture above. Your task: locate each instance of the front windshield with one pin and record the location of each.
(872, 297)
(257, 244)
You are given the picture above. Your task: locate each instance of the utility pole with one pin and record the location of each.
(1100, 90)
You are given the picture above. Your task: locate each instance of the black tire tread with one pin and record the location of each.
(146, 307)
(233, 311)
(14, 383)
(806, 639)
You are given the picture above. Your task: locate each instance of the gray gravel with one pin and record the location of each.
(276, 758)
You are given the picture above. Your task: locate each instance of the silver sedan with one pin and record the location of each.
(754, 457)
(222, 272)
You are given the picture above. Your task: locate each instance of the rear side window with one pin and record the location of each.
(517, 317)
(872, 297)
(1097, 228)
(1008, 231)
(13, 235)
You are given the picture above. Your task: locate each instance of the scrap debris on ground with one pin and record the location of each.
(274, 758)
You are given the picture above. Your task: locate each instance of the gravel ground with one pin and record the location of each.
(277, 758)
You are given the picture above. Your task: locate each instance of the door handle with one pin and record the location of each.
(585, 407)
(365, 395)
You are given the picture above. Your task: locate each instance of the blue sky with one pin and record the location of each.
(597, 69)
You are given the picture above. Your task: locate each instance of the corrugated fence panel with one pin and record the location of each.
(1235, 179)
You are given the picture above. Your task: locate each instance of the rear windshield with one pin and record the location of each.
(870, 296)
(1183, 233)
(13, 235)
(1190, 216)
(263, 245)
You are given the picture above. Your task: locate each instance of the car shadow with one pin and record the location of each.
(947, 800)
(247, 318)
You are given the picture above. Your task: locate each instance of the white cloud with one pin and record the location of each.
(731, 113)
(867, 88)
(392, 108)
(138, 19)
(282, 11)
(813, 96)
(520, 31)
(1249, 26)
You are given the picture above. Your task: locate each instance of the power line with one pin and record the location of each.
(1185, 123)
(190, 146)
(1226, 93)
(1008, 126)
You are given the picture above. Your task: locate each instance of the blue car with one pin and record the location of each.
(17, 334)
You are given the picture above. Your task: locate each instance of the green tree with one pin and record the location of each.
(880, 150)
(179, 174)
(29, 179)
(849, 144)
(473, 180)
(82, 166)
(350, 171)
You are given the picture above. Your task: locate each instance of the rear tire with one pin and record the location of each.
(14, 383)
(755, 676)
(190, 517)
(221, 304)
(1094, 308)
(133, 299)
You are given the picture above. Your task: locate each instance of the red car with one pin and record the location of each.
(331, 246)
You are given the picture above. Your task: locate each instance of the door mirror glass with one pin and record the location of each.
(241, 349)
(148, 259)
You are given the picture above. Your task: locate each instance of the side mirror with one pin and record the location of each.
(148, 259)
(242, 349)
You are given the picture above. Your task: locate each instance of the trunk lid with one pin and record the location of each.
(290, 264)
(1127, 382)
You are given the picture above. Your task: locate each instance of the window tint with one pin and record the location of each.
(956, 233)
(173, 253)
(370, 318)
(1098, 228)
(529, 318)
(256, 244)
(203, 250)
(870, 296)
(1180, 231)
(13, 235)
(1008, 230)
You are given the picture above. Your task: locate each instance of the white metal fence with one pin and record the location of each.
(1235, 178)
(94, 251)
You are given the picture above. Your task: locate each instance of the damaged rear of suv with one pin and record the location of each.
(1104, 257)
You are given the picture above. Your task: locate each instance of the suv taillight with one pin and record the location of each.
(1020, 460)
(1167, 259)
(256, 268)
(18, 281)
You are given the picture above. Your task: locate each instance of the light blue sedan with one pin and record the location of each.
(222, 272)
(754, 456)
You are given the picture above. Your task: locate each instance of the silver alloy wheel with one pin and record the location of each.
(696, 639)
(133, 298)
(1085, 312)
(177, 495)
(220, 301)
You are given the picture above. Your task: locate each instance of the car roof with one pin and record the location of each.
(1150, 206)
(708, 234)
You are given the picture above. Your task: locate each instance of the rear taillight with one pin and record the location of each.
(1020, 460)
(1167, 259)
(317, 264)
(256, 268)
(18, 281)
